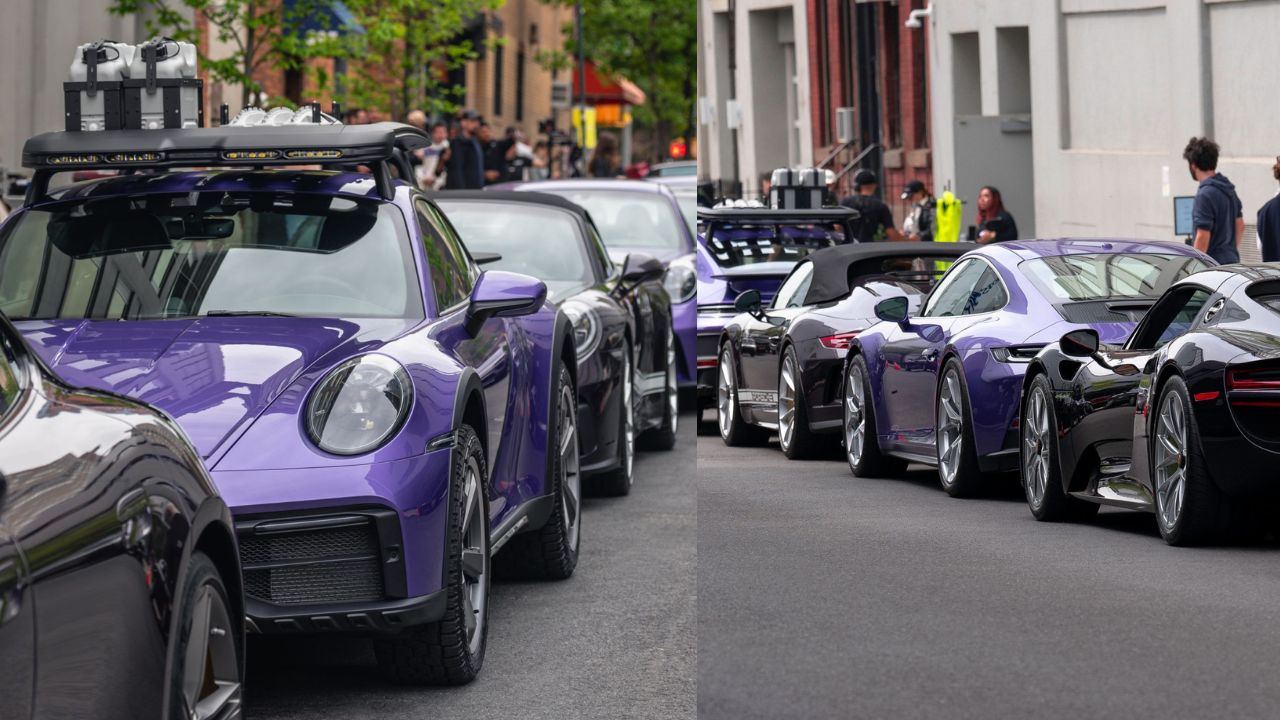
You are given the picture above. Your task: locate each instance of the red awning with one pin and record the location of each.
(603, 90)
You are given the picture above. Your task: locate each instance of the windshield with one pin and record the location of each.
(688, 201)
(629, 219)
(188, 255)
(534, 240)
(1067, 278)
(735, 244)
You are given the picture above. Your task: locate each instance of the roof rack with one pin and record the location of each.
(776, 215)
(379, 146)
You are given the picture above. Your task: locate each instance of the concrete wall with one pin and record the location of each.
(774, 129)
(37, 41)
(1116, 89)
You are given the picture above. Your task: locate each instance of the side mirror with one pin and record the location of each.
(748, 302)
(503, 294)
(1080, 343)
(892, 309)
(639, 267)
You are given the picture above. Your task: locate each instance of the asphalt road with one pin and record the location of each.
(822, 595)
(617, 640)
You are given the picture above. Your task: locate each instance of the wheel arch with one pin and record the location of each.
(218, 544)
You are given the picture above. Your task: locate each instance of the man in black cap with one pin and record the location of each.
(465, 160)
(924, 209)
(876, 221)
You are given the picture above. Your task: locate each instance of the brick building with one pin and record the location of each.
(863, 57)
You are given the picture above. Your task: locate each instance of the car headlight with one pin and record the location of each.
(586, 327)
(680, 281)
(359, 405)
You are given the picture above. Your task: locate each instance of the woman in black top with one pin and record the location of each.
(1269, 223)
(605, 161)
(995, 224)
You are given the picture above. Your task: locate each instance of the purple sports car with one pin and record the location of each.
(380, 416)
(639, 216)
(744, 249)
(943, 388)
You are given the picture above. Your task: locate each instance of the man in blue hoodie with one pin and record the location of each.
(1218, 215)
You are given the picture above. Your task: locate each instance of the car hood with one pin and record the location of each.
(213, 375)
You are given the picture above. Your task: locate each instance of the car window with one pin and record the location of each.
(452, 274)
(792, 292)
(971, 287)
(593, 236)
(1170, 318)
(1104, 276)
(627, 218)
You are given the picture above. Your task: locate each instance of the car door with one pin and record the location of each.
(17, 610)
(762, 339)
(912, 354)
(1179, 311)
(453, 274)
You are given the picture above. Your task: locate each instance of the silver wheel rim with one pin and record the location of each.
(950, 428)
(1035, 449)
(628, 418)
(570, 479)
(786, 402)
(475, 555)
(673, 392)
(211, 671)
(725, 394)
(855, 421)
(1170, 461)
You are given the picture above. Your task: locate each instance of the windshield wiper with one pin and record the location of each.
(247, 313)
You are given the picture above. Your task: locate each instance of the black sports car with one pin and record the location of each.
(1180, 420)
(781, 366)
(120, 589)
(621, 317)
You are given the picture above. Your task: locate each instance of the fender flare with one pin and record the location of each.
(469, 382)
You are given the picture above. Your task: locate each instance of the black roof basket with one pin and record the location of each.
(379, 146)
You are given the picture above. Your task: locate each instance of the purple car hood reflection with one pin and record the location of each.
(213, 375)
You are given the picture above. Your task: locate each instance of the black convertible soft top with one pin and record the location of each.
(836, 270)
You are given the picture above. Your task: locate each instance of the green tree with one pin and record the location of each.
(262, 33)
(406, 51)
(653, 44)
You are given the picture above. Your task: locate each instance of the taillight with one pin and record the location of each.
(1265, 378)
(839, 341)
(1016, 353)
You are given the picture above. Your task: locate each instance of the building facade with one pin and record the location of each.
(1078, 110)
(753, 79)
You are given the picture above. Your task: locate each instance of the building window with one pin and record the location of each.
(533, 34)
(892, 76)
(497, 79)
(520, 85)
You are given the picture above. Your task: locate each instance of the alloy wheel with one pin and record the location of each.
(1170, 461)
(211, 673)
(725, 394)
(570, 478)
(950, 436)
(1035, 448)
(628, 419)
(786, 402)
(855, 421)
(475, 555)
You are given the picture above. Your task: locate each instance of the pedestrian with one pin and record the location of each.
(464, 158)
(920, 223)
(356, 116)
(605, 161)
(498, 154)
(875, 220)
(540, 169)
(1269, 223)
(995, 224)
(766, 183)
(1218, 215)
(430, 171)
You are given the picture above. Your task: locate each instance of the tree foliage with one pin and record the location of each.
(653, 44)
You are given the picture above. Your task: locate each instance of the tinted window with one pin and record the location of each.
(1170, 318)
(747, 243)
(1110, 275)
(540, 241)
(166, 256)
(971, 288)
(628, 218)
(451, 273)
(792, 292)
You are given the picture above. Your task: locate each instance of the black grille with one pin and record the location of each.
(320, 565)
(707, 346)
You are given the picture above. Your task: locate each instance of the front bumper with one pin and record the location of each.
(346, 548)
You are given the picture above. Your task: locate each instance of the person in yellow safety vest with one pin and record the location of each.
(946, 225)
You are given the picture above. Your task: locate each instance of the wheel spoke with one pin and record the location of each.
(197, 650)
(473, 563)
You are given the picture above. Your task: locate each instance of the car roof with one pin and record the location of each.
(325, 182)
(512, 197)
(1031, 249)
(831, 265)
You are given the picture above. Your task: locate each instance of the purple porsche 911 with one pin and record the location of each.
(380, 415)
(943, 387)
